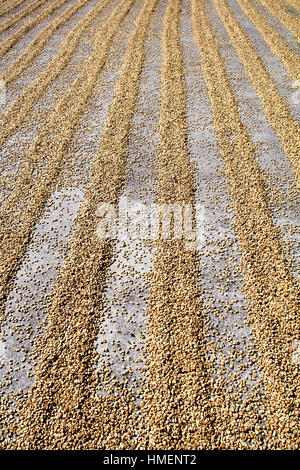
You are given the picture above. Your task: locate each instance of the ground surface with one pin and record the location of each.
(133, 340)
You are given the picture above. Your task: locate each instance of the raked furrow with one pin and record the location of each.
(29, 298)
(35, 184)
(275, 107)
(274, 22)
(268, 281)
(274, 164)
(175, 410)
(19, 110)
(149, 160)
(35, 47)
(287, 19)
(66, 377)
(9, 42)
(277, 45)
(122, 331)
(11, 6)
(232, 366)
(10, 22)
